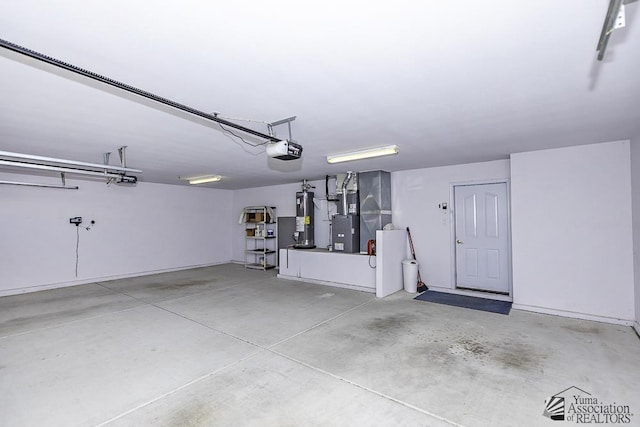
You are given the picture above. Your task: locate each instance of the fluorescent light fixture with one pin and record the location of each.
(203, 179)
(362, 154)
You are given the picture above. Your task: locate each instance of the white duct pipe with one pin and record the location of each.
(345, 183)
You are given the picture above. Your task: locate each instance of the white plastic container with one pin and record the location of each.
(410, 275)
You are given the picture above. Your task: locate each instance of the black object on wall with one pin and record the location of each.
(286, 228)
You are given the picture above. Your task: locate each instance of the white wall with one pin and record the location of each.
(283, 197)
(635, 188)
(351, 271)
(415, 198)
(141, 229)
(572, 231)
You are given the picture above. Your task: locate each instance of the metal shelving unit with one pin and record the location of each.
(260, 243)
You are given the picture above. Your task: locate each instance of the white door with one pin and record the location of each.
(481, 234)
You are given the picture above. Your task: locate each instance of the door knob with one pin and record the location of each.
(459, 241)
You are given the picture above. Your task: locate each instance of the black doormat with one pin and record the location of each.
(464, 301)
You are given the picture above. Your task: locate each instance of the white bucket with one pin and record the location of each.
(410, 275)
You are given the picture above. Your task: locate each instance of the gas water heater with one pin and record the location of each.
(304, 218)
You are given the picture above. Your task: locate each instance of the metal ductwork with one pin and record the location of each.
(375, 203)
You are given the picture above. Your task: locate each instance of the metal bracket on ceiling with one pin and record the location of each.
(614, 20)
(122, 152)
(288, 121)
(105, 161)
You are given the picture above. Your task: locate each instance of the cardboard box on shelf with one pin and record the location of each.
(257, 217)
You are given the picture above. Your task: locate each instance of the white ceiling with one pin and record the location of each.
(449, 82)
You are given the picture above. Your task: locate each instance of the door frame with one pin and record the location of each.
(452, 239)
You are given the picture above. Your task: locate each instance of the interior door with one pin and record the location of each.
(482, 251)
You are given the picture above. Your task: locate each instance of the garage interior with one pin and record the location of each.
(180, 245)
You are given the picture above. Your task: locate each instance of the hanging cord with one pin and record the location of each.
(372, 266)
(231, 135)
(224, 129)
(77, 247)
(238, 119)
(78, 243)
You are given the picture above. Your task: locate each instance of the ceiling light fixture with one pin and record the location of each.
(362, 154)
(203, 179)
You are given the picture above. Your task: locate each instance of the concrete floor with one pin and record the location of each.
(228, 346)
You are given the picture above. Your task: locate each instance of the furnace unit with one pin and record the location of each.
(345, 233)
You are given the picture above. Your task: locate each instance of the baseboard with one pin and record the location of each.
(573, 314)
(326, 283)
(49, 286)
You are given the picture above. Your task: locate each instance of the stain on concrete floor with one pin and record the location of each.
(196, 414)
(179, 284)
(391, 323)
(583, 329)
(61, 315)
(458, 352)
(472, 346)
(518, 355)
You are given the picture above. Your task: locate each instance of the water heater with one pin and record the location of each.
(304, 218)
